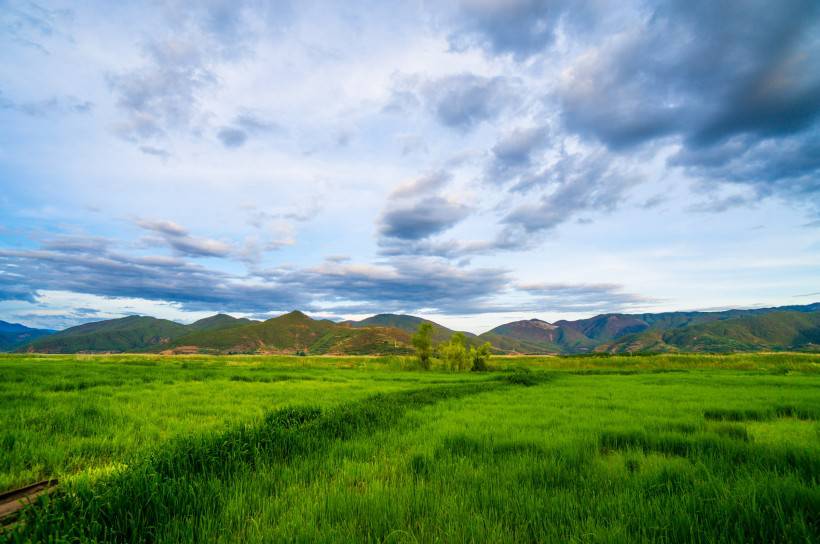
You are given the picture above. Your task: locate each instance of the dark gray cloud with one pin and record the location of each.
(420, 219)
(577, 182)
(653, 202)
(735, 84)
(702, 70)
(155, 151)
(403, 285)
(459, 101)
(113, 274)
(180, 240)
(559, 186)
(516, 148)
(14, 286)
(786, 167)
(462, 101)
(232, 137)
(407, 285)
(243, 127)
(416, 211)
(514, 154)
(518, 27)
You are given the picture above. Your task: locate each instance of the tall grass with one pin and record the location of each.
(182, 479)
(63, 414)
(673, 449)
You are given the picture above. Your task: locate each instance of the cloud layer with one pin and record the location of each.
(355, 157)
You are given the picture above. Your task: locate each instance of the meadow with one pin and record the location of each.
(672, 448)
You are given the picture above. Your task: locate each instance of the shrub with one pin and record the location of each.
(455, 354)
(423, 342)
(480, 356)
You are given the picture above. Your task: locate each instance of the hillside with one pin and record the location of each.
(410, 324)
(13, 335)
(791, 327)
(293, 333)
(132, 333)
(218, 322)
(646, 332)
(790, 330)
(537, 336)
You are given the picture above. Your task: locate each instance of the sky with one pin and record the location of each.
(474, 162)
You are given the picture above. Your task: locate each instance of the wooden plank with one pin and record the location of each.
(11, 502)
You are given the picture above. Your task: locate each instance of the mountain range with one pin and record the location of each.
(779, 328)
(13, 335)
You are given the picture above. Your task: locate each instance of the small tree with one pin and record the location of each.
(480, 356)
(423, 342)
(455, 352)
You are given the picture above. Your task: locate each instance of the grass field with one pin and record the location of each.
(259, 449)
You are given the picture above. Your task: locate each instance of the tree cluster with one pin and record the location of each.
(454, 354)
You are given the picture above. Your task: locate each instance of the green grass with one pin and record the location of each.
(62, 414)
(586, 449)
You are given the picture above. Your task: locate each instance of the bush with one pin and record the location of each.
(480, 357)
(455, 354)
(423, 342)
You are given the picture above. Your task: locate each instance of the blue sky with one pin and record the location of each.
(473, 162)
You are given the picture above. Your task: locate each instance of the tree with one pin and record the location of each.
(455, 352)
(423, 342)
(480, 356)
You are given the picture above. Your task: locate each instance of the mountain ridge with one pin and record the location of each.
(296, 332)
(13, 335)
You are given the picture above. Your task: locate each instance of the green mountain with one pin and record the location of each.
(605, 327)
(776, 331)
(218, 322)
(133, 333)
(410, 324)
(293, 333)
(13, 335)
(597, 333)
(536, 336)
(792, 327)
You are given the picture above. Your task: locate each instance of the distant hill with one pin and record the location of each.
(296, 332)
(409, 324)
(536, 336)
(790, 330)
(789, 327)
(13, 335)
(132, 333)
(604, 332)
(219, 321)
